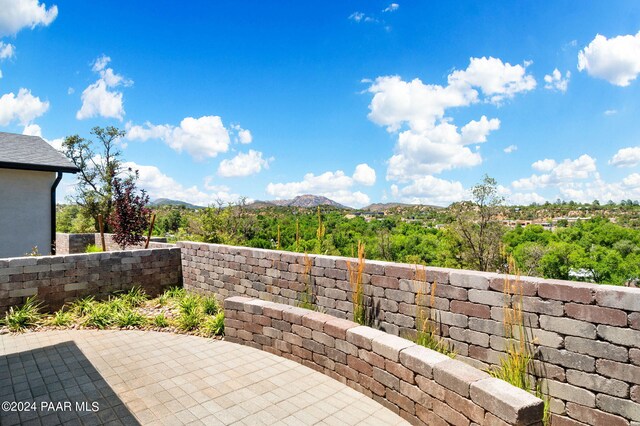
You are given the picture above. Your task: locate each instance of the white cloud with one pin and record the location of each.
(391, 8)
(334, 185)
(364, 175)
(510, 149)
(524, 198)
(243, 136)
(610, 112)
(560, 175)
(432, 143)
(430, 190)
(160, 185)
(616, 60)
(545, 165)
(18, 14)
(626, 157)
(98, 99)
(32, 130)
(361, 17)
(497, 80)
(7, 50)
(243, 164)
(555, 81)
(202, 138)
(22, 108)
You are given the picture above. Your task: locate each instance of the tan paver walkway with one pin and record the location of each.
(136, 377)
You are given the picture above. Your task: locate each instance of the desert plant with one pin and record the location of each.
(25, 316)
(307, 297)
(428, 325)
(516, 367)
(357, 288)
(213, 325)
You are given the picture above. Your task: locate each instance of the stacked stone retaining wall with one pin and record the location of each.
(55, 280)
(77, 243)
(586, 337)
(421, 385)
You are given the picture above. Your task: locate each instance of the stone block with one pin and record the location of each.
(567, 291)
(567, 359)
(362, 336)
(470, 309)
(389, 346)
(568, 326)
(596, 314)
(511, 404)
(597, 383)
(421, 360)
(620, 336)
(593, 416)
(387, 379)
(622, 407)
(617, 370)
(471, 279)
(567, 392)
(626, 298)
(457, 376)
(487, 297)
(596, 348)
(337, 327)
(236, 303)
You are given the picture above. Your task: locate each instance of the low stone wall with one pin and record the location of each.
(59, 279)
(77, 243)
(421, 385)
(586, 336)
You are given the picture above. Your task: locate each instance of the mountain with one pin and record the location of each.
(380, 207)
(167, 202)
(302, 201)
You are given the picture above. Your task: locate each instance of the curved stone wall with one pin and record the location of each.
(421, 385)
(586, 336)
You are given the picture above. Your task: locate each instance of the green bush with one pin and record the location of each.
(210, 305)
(62, 318)
(101, 315)
(160, 320)
(213, 325)
(130, 318)
(92, 248)
(26, 316)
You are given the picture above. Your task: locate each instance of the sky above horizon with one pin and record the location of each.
(359, 101)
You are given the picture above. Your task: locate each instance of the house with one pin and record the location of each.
(30, 170)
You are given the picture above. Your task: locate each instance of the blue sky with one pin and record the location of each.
(360, 101)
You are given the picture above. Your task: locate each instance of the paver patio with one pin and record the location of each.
(152, 378)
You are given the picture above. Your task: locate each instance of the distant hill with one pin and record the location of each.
(379, 207)
(303, 201)
(168, 202)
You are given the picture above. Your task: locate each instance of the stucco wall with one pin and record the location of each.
(586, 337)
(25, 212)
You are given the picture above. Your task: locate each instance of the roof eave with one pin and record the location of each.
(38, 167)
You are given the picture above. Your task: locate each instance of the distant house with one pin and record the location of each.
(30, 170)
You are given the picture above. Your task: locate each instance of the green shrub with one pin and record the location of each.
(62, 318)
(92, 248)
(101, 315)
(134, 297)
(130, 318)
(210, 305)
(213, 325)
(82, 306)
(21, 318)
(191, 313)
(173, 293)
(160, 320)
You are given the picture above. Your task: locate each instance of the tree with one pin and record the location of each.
(98, 168)
(477, 227)
(130, 217)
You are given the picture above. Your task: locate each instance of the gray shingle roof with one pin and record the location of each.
(31, 153)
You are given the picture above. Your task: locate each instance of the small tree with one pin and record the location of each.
(477, 226)
(130, 217)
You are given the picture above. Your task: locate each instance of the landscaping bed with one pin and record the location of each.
(174, 311)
